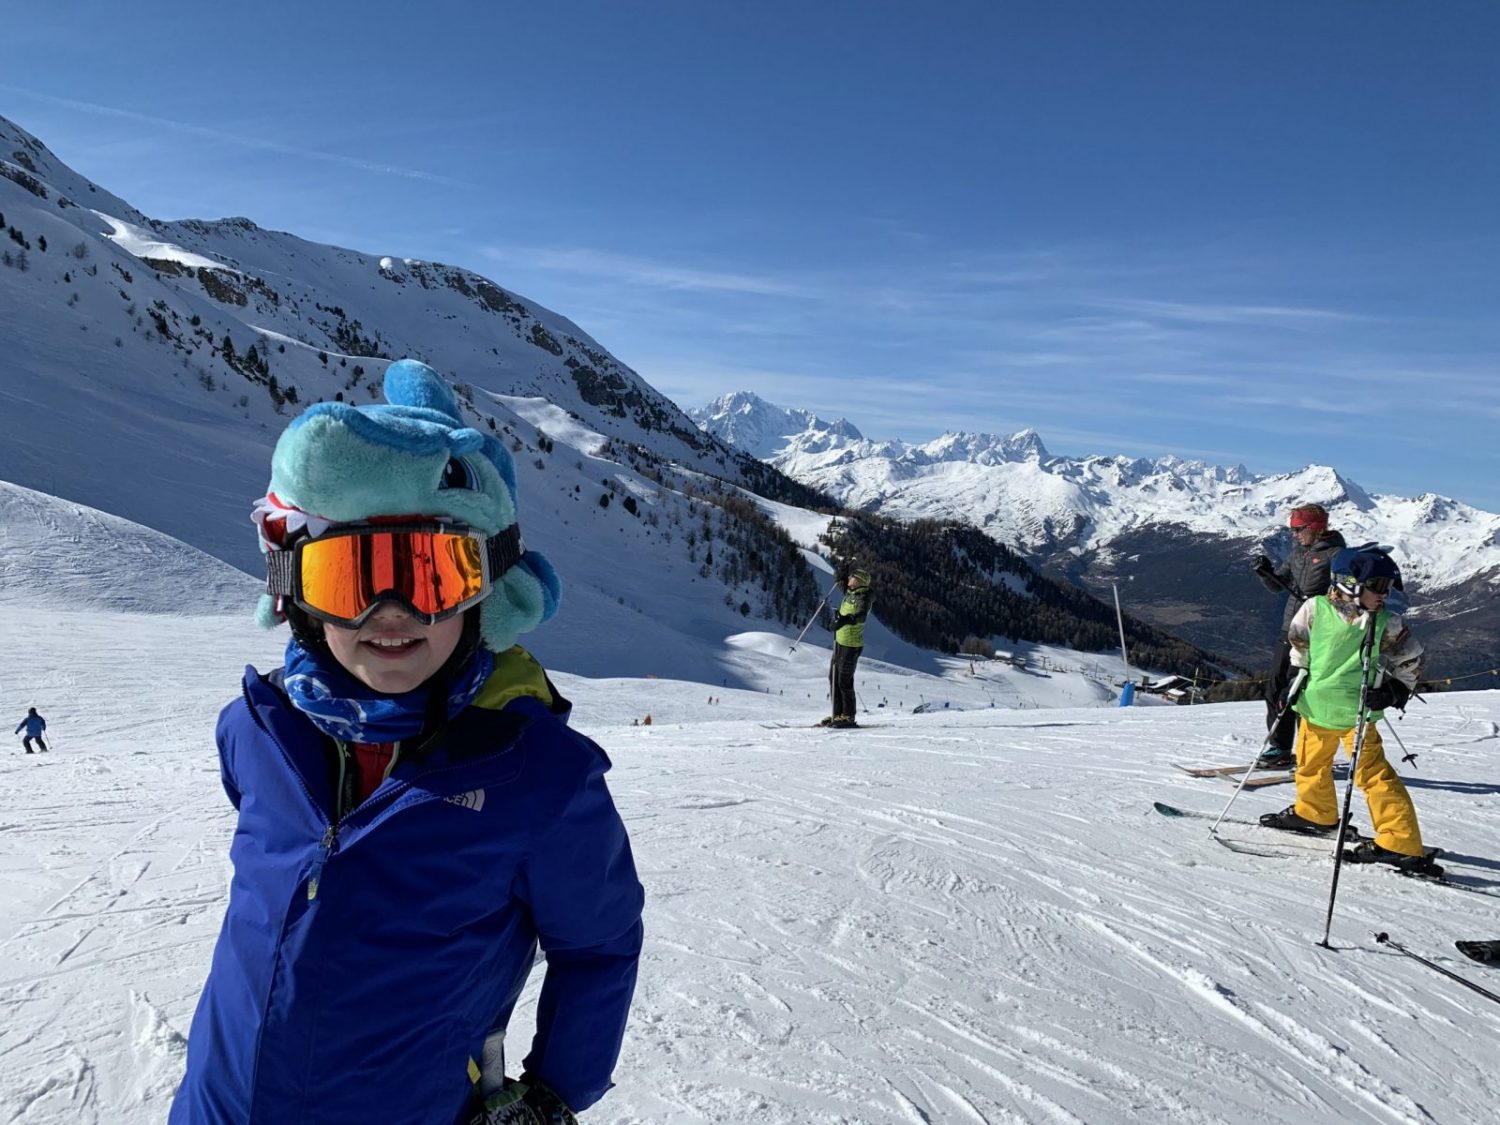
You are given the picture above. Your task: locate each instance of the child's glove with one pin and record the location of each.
(527, 1101)
(1295, 688)
(840, 621)
(1391, 695)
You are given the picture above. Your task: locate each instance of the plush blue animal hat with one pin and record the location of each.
(338, 463)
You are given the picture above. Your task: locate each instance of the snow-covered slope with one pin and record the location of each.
(148, 366)
(67, 556)
(962, 915)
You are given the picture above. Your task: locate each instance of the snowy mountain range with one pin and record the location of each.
(1180, 532)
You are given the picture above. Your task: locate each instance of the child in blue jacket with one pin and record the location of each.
(33, 724)
(414, 815)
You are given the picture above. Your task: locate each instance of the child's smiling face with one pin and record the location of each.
(393, 652)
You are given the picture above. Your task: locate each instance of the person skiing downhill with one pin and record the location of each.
(1327, 635)
(848, 644)
(33, 724)
(414, 816)
(1303, 575)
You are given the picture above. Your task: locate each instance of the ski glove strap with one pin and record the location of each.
(528, 1101)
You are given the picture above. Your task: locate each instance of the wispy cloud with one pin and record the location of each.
(1188, 379)
(1101, 350)
(1224, 314)
(224, 136)
(631, 270)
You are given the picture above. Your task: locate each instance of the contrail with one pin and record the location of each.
(236, 139)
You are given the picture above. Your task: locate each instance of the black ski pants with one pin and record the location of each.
(841, 679)
(26, 742)
(1278, 679)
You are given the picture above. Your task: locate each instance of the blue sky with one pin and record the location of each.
(1248, 232)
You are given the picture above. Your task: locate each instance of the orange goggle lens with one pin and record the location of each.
(437, 573)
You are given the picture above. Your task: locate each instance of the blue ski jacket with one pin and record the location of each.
(34, 725)
(362, 961)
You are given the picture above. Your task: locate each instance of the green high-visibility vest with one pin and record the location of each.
(856, 603)
(1331, 697)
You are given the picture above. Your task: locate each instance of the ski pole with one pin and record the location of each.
(1366, 650)
(814, 617)
(1406, 755)
(1291, 696)
(1385, 939)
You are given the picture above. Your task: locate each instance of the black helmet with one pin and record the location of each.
(1366, 567)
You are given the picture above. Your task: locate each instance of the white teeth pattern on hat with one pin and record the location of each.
(270, 509)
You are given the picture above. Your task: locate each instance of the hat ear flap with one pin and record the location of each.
(526, 596)
(265, 612)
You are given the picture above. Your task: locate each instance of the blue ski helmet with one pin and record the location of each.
(1366, 567)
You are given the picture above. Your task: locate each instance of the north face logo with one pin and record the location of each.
(473, 799)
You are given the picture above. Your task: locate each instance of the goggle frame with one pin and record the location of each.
(497, 554)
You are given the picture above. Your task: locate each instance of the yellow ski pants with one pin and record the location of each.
(1391, 810)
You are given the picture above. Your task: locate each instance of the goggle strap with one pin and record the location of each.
(281, 566)
(504, 551)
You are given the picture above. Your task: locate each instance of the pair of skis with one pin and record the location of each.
(1483, 951)
(1275, 777)
(1291, 845)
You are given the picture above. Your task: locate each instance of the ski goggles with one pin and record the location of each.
(1376, 584)
(433, 570)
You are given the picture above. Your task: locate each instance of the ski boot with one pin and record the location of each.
(1368, 851)
(1287, 820)
(1275, 758)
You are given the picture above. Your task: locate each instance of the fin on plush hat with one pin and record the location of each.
(413, 456)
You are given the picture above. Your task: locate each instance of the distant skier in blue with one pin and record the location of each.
(33, 724)
(414, 816)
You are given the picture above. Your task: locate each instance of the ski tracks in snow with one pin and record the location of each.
(117, 882)
(962, 918)
(1007, 960)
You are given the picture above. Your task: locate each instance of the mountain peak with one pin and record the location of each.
(986, 449)
(31, 164)
(762, 429)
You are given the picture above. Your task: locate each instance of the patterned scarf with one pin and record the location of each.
(346, 709)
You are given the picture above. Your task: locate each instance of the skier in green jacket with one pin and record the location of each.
(849, 642)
